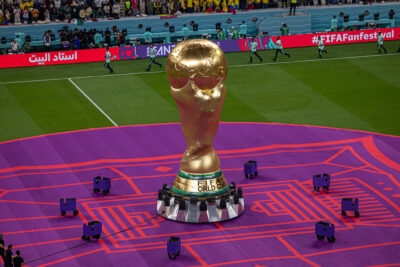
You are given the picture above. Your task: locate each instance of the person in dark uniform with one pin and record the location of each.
(2, 251)
(18, 260)
(9, 257)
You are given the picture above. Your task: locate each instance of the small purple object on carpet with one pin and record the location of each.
(92, 230)
(250, 169)
(323, 229)
(348, 204)
(173, 247)
(68, 205)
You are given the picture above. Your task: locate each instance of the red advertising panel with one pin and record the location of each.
(333, 38)
(65, 57)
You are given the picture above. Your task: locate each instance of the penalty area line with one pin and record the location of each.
(91, 101)
(231, 66)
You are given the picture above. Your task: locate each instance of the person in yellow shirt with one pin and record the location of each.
(171, 7)
(209, 6)
(264, 3)
(7, 16)
(250, 4)
(196, 5)
(231, 7)
(35, 14)
(1, 17)
(29, 4)
(189, 6)
(202, 5)
(293, 4)
(157, 7)
(182, 6)
(217, 7)
(257, 4)
(224, 7)
(22, 5)
(236, 3)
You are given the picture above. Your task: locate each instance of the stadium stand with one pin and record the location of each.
(131, 30)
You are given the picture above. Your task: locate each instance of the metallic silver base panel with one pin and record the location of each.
(194, 210)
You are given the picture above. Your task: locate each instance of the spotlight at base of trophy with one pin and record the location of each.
(200, 207)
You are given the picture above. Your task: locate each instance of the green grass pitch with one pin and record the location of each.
(351, 87)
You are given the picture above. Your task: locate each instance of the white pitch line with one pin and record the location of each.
(232, 66)
(83, 77)
(91, 101)
(118, 74)
(312, 60)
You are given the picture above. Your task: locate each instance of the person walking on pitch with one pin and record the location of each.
(279, 49)
(18, 261)
(108, 59)
(153, 53)
(380, 43)
(321, 47)
(253, 49)
(8, 257)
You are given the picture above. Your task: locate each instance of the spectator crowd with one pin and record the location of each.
(46, 11)
(87, 39)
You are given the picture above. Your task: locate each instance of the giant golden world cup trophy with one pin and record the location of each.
(197, 70)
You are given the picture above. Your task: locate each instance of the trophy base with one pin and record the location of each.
(197, 210)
